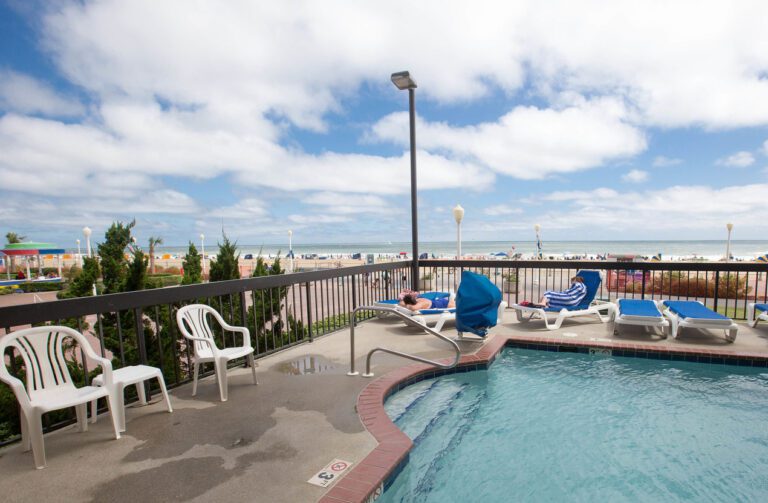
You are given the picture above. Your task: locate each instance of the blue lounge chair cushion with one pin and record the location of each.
(477, 303)
(762, 307)
(638, 307)
(426, 295)
(691, 309)
(592, 281)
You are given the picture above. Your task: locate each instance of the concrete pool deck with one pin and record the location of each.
(268, 440)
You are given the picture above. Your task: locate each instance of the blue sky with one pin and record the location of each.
(264, 117)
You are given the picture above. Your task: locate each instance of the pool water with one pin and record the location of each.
(543, 426)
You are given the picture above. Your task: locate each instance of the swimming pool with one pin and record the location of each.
(545, 426)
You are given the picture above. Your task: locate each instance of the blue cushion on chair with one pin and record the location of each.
(692, 309)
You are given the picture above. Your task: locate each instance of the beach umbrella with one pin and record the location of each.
(656, 258)
(763, 258)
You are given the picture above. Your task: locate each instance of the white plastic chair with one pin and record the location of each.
(49, 385)
(193, 323)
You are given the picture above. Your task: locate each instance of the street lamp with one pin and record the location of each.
(79, 255)
(728, 226)
(537, 228)
(202, 248)
(87, 233)
(458, 215)
(403, 81)
(290, 248)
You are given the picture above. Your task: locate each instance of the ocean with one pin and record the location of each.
(670, 250)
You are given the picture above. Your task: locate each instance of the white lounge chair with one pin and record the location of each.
(49, 385)
(193, 323)
(640, 312)
(694, 314)
(424, 316)
(756, 312)
(604, 311)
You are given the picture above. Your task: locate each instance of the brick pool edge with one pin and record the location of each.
(365, 482)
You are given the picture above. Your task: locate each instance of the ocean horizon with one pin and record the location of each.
(669, 249)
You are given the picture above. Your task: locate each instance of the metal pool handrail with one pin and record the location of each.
(409, 321)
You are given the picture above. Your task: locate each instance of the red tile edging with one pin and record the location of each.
(365, 481)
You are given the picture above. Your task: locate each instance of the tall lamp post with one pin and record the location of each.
(202, 248)
(539, 254)
(728, 226)
(403, 81)
(79, 255)
(290, 248)
(458, 215)
(87, 233)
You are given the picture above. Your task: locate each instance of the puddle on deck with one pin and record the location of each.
(306, 365)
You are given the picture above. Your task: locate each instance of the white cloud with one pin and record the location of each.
(741, 159)
(765, 147)
(501, 210)
(669, 209)
(635, 176)
(24, 94)
(529, 142)
(665, 162)
(676, 70)
(249, 209)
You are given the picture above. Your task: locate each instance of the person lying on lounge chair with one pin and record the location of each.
(569, 298)
(411, 300)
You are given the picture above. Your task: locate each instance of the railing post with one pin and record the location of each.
(309, 311)
(642, 293)
(717, 290)
(354, 293)
(140, 341)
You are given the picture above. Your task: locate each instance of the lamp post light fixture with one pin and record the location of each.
(458, 215)
(290, 248)
(79, 255)
(202, 249)
(729, 227)
(403, 81)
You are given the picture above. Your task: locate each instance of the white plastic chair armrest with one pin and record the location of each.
(18, 388)
(106, 367)
(227, 326)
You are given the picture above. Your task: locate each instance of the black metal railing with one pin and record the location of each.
(284, 310)
(724, 287)
(280, 311)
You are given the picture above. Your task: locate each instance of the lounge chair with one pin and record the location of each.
(694, 314)
(479, 306)
(592, 280)
(753, 316)
(640, 312)
(424, 316)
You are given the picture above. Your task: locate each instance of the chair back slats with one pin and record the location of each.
(193, 321)
(41, 349)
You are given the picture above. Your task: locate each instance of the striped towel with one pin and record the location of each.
(569, 298)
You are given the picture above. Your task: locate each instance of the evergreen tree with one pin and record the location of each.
(82, 284)
(114, 265)
(226, 264)
(193, 267)
(136, 278)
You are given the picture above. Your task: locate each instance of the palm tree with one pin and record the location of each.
(153, 241)
(13, 238)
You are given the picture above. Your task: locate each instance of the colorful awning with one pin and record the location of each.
(31, 248)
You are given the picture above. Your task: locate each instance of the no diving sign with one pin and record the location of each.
(330, 473)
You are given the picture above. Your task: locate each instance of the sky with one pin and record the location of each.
(597, 120)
